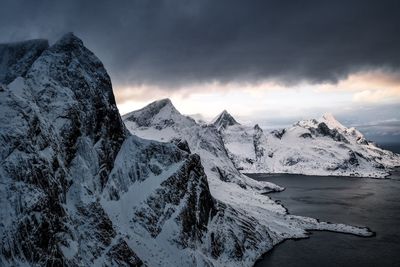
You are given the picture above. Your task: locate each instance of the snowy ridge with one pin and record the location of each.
(161, 121)
(258, 223)
(77, 189)
(312, 147)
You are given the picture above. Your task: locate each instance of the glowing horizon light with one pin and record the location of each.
(268, 99)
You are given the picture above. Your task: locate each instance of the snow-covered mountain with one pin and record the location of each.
(269, 222)
(77, 189)
(312, 147)
(161, 121)
(60, 133)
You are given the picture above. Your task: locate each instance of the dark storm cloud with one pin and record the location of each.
(180, 42)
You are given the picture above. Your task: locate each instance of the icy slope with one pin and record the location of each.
(57, 148)
(77, 189)
(256, 222)
(161, 121)
(320, 147)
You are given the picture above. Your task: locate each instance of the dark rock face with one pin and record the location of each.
(306, 135)
(122, 255)
(224, 120)
(231, 243)
(223, 175)
(64, 102)
(353, 158)
(362, 141)
(290, 161)
(181, 144)
(258, 149)
(347, 163)
(279, 133)
(188, 185)
(16, 58)
(194, 224)
(324, 130)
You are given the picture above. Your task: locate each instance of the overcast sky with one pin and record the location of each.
(270, 61)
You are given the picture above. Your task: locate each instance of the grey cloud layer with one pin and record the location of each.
(174, 43)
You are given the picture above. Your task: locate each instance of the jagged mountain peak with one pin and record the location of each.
(69, 42)
(328, 116)
(223, 120)
(163, 102)
(257, 127)
(327, 120)
(155, 107)
(70, 38)
(161, 111)
(331, 121)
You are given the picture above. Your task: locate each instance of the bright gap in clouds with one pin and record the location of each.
(241, 100)
(367, 100)
(269, 100)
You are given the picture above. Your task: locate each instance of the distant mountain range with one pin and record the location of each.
(312, 147)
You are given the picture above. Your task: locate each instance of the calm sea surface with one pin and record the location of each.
(358, 201)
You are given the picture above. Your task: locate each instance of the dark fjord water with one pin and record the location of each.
(395, 147)
(358, 201)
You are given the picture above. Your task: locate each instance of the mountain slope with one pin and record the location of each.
(77, 189)
(161, 121)
(56, 133)
(262, 223)
(313, 147)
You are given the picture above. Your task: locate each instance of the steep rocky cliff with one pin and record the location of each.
(77, 189)
(60, 133)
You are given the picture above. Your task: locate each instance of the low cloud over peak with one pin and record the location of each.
(170, 44)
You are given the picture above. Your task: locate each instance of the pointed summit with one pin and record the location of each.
(163, 102)
(332, 122)
(69, 39)
(69, 43)
(161, 110)
(223, 120)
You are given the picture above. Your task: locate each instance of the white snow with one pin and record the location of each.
(303, 150)
(242, 194)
